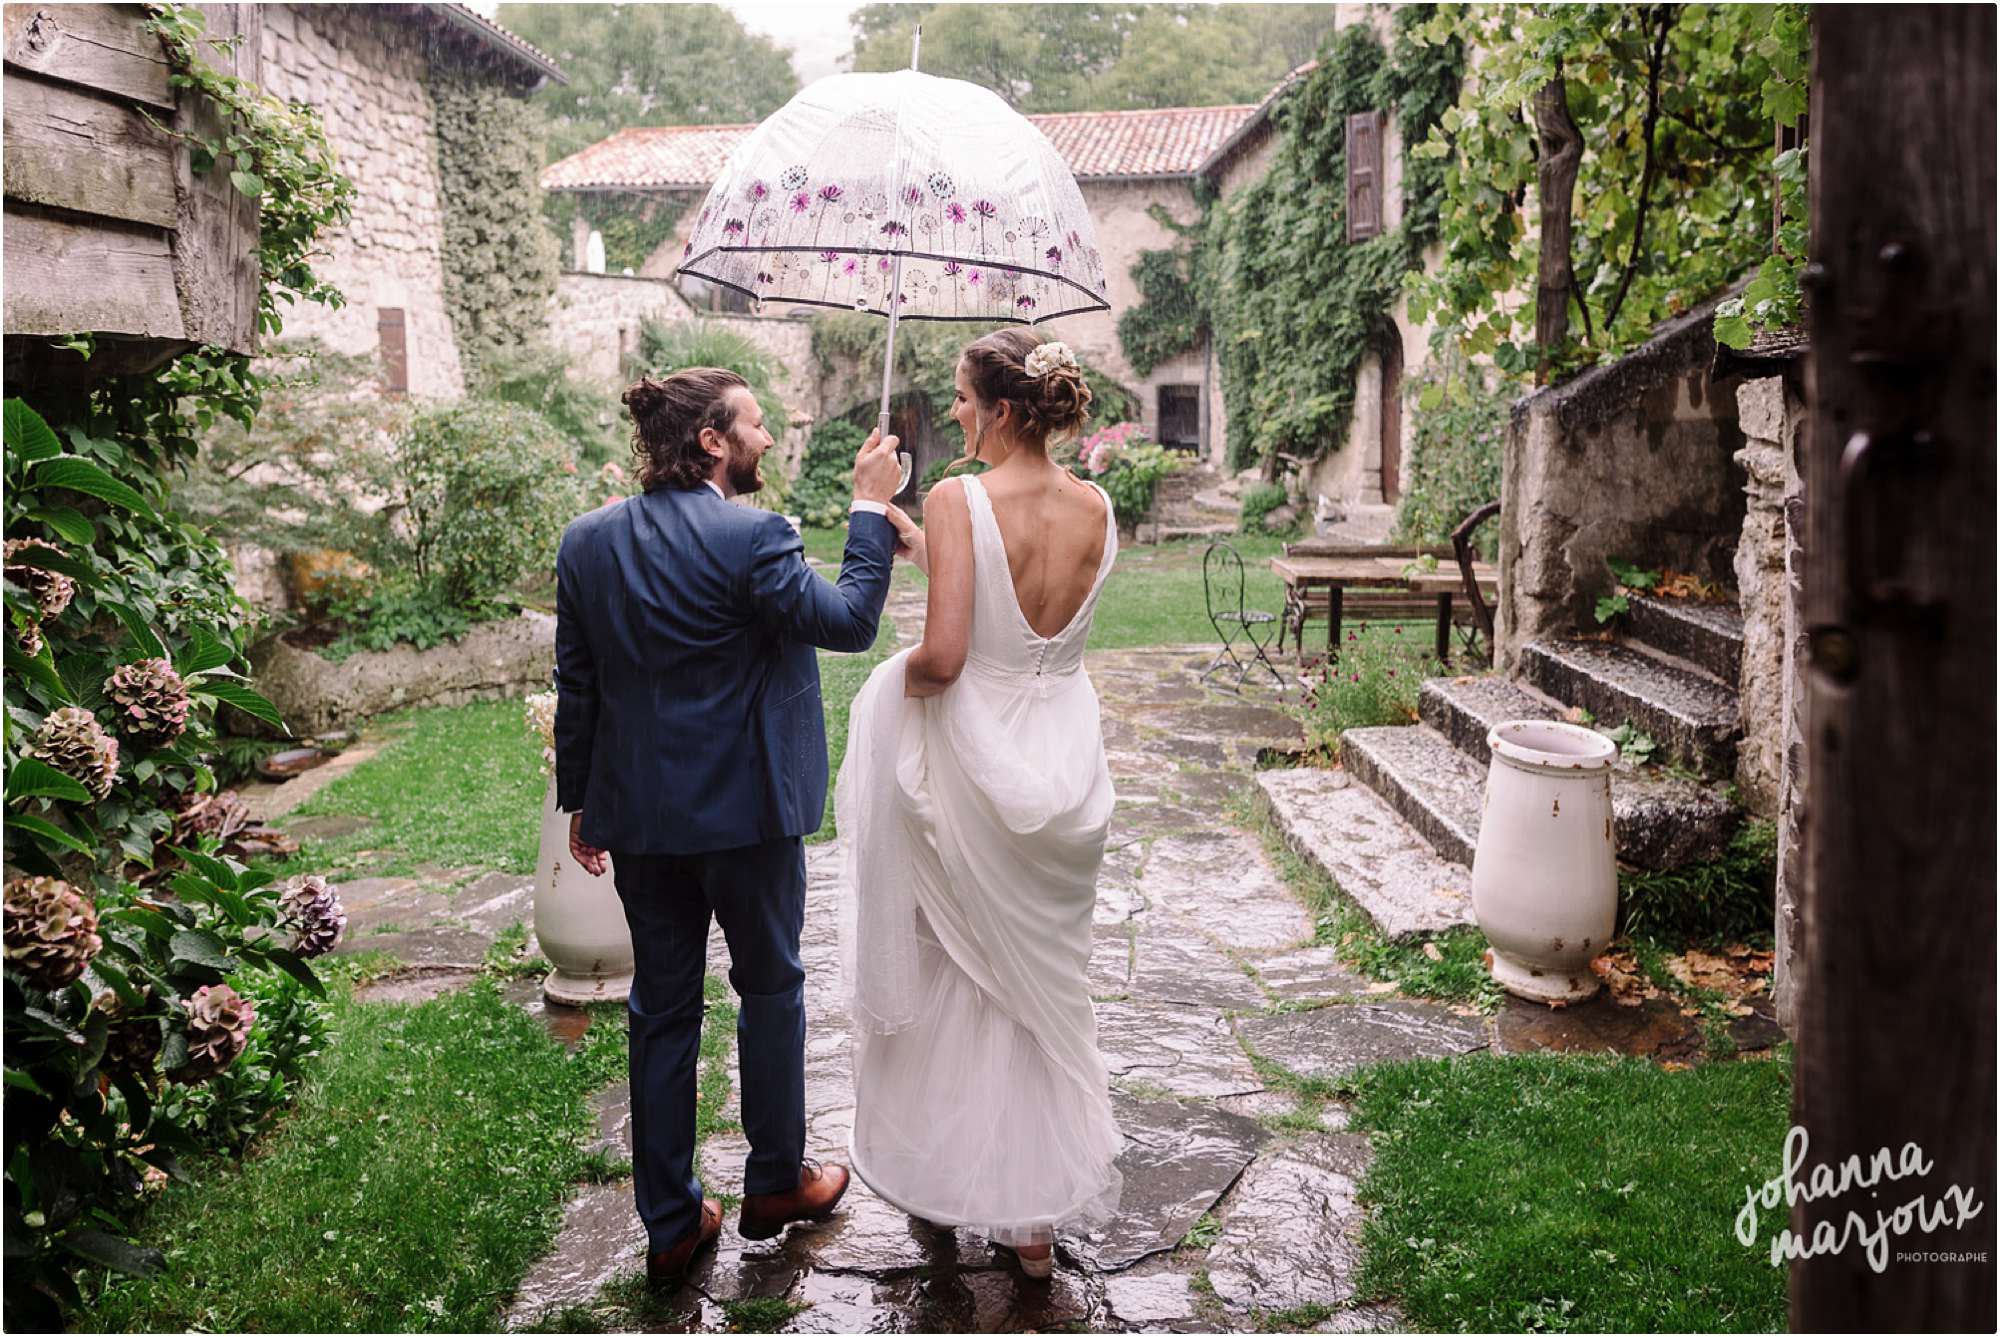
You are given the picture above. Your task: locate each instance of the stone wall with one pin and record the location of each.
(365, 70)
(1634, 460)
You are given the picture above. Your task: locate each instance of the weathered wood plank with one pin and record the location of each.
(69, 149)
(215, 241)
(1895, 1031)
(63, 277)
(105, 47)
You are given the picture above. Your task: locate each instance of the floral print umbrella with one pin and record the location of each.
(905, 195)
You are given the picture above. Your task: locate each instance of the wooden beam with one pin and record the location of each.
(1895, 1035)
(64, 276)
(68, 149)
(216, 268)
(103, 47)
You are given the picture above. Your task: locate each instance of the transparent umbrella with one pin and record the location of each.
(903, 195)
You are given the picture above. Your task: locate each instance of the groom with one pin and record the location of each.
(691, 745)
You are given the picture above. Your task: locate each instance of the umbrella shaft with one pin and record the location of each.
(889, 350)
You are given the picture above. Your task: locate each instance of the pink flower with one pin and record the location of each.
(848, 268)
(829, 193)
(1053, 255)
(1024, 302)
(883, 264)
(912, 194)
(894, 229)
(955, 212)
(733, 228)
(611, 500)
(953, 267)
(757, 191)
(801, 202)
(984, 208)
(973, 278)
(612, 471)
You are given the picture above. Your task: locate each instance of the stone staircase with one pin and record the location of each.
(1671, 673)
(1194, 502)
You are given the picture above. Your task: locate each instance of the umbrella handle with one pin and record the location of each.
(889, 360)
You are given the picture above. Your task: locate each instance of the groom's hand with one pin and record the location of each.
(588, 857)
(875, 469)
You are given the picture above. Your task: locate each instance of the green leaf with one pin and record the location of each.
(248, 182)
(68, 522)
(1733, 331)
(22, 1081)
(66, 564)
(292, 964)
(46, 832)
(82, 476)
(245, 700)
(202, 653)
(210, 867)
(32, 778)
(42, 669)
(28, 436)
(200, 947)
(108, 1250)
(149, 644)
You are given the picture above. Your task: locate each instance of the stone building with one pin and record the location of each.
(1126, 162)
(367, 69)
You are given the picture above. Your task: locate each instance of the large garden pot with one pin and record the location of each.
(1545, 873)
(579, 921)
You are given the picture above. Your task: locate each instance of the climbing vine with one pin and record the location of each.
(1168, 318)
(1673, 199)
(633, 226)
(1292, 304)
(500, 262)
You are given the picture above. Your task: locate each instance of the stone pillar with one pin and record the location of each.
(1792, 773)
(579, 241)
(1760, 587)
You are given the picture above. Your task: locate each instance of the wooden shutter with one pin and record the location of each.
(1364, 175)
(395, 352)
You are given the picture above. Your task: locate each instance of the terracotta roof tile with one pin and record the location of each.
(1100, 145)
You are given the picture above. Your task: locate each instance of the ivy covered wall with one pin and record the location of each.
(500, 259)
(1268, 275)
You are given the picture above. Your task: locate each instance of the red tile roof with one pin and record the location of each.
(1098, 145)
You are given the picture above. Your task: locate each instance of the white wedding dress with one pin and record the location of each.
(975, 824)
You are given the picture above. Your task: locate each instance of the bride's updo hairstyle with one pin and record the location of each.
(1051, 408)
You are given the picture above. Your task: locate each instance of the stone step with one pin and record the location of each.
(1695, 719)
(1709, 635)
(1164, 533)
(1465, 710)
(1359, 842)
(1440, 790)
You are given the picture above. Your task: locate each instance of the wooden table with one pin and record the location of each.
(1337, 575)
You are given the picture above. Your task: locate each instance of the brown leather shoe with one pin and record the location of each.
(667, 1267)
(818, 1193)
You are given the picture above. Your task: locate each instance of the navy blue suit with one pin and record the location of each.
(689, 732)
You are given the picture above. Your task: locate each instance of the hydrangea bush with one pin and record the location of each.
(1128, 465)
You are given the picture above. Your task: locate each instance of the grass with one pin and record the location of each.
(840, 677)
(455, 787)
(1553, 1192)
(423, 1172)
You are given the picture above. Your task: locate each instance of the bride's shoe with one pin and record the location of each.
(1039, 1266)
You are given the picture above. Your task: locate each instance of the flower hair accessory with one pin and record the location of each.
(1045, 358)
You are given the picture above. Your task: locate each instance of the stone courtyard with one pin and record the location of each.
(1207, 978)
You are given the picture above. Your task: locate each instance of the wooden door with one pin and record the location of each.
(1392, 417)
(1895, 1030)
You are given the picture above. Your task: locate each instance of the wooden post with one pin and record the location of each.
(1555, 190)
(1895, 1039)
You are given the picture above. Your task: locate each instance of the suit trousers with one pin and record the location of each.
(758, 894)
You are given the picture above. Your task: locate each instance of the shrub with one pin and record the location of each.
(1458, 430)
(539, 378)
(825, 485)
(1259, 502)
(486, 490)
(1374, 681)
(942, 468)
(1127, 465)
(666, 347)
(1724, 898)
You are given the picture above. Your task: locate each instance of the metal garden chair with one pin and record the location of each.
(1234, 623)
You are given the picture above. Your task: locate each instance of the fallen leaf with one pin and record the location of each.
(1431, 950)
(1382, 986)
(1675, 1065)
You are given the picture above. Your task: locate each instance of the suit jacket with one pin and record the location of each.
(688, 713)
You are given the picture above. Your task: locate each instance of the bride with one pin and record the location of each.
(974, 799)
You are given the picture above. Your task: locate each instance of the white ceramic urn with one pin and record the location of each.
(579, 921)
(1545, 873)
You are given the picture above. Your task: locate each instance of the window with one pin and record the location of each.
(395, 352)
(1180, 415)
(1364, 175)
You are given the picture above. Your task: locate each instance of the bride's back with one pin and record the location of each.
(1053, 527)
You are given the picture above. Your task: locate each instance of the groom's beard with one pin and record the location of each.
(745, 476)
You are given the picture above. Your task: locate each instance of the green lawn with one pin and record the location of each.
(423, 1171)
(1550, 1192)
(454, 787)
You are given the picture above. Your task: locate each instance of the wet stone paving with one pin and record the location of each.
(1233, 1214)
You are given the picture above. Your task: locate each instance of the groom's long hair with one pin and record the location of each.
(668, 415)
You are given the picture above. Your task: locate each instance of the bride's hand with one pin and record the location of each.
(910, 540)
